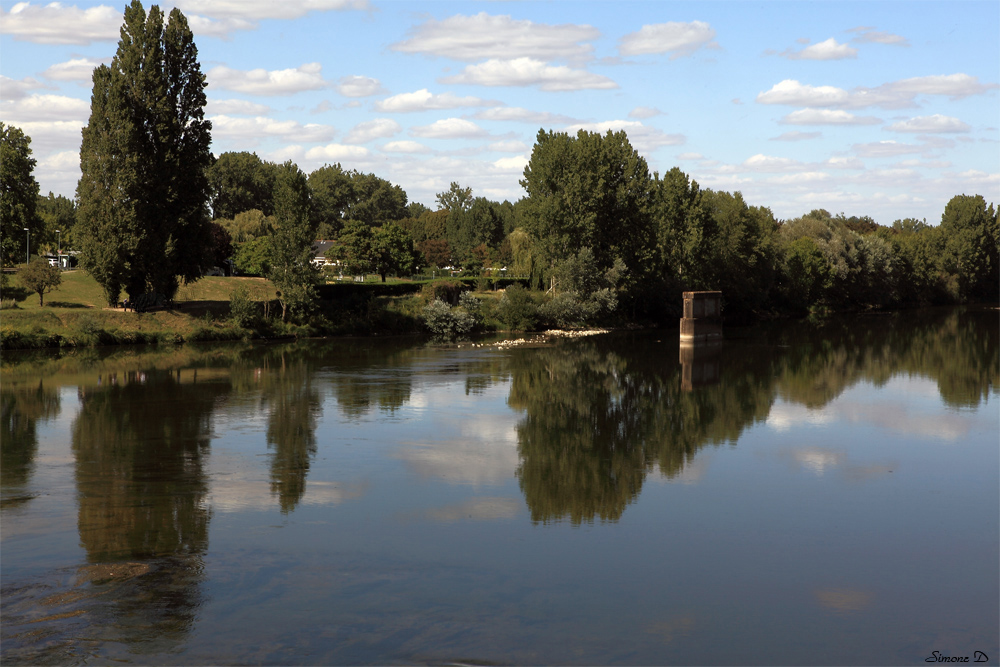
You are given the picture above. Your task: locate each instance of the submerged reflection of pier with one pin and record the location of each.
(700, 364)
(700, 339)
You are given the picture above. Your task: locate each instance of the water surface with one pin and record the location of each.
(801, 494)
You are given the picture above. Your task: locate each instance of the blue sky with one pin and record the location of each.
(885, 109)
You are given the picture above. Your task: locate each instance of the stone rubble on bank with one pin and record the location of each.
(539, 338)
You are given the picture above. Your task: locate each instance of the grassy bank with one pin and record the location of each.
(76, 315)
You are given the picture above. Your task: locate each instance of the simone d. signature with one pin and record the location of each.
(978, 656)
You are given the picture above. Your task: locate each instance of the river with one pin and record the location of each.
(802, 493)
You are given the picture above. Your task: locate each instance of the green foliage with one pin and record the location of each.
(448, 291)
(807, 271)
(455, 198)
(247, 225)
(291, 244)
(253, 257)
(241, 182)
(243, 310)
(972, 234)
(18, 195)
(589, 191)
(443, 320)
(517, 310)
(40, 277)
(57, 213)
(143, 216)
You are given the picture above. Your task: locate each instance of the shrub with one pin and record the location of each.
(243, 310)
(444, 290)
(517, 310)
(445, 321)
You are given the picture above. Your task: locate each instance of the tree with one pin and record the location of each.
(241, 182)
(971, 248)
(589, 191)
(222, 245)
(291, 269)
(57, 213)
(455, 198)
(393, 252)
(18, 194)
(143, 193)
(41, 277)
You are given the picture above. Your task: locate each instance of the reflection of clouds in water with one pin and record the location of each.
(470, 447)
(478, 509)
(843, 600)
(235, 487)
(904, 405)
(819, 461)
(472, 460)
(784, 416)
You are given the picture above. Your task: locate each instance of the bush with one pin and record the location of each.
(448, 322)
(517, 310)
(243, 310)
(444, 290)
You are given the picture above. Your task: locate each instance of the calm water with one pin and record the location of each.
(804, 494)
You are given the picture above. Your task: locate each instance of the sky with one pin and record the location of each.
(884, 109)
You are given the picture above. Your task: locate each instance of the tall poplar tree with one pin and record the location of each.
(143, 214)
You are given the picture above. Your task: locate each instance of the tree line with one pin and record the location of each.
(596, 229)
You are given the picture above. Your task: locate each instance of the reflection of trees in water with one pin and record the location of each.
(957, 348)
(139, 445)
(21, 408)
(600, 414)
(294, 406)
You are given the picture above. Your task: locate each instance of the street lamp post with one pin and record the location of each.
(27, 246)
(59, 250)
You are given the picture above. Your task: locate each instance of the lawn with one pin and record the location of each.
(78, 305)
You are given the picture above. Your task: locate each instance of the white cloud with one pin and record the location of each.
(644, 112)
(768, 163)
(471, 38)
(58, 24)
(827, 117)
(866, 35)
(52, 135)
(251, 130)
(358, 86)
(893, 95)
(845, 163)
(530, 72)
(236, 108)
(404, 146)
(886, 149)
(797, 136)
(253, 10)
(826, 50)
(516, 163)
(933, 124)
(263, 82)
(220, 28)
(423, 100)
(793, 93)
(75, 69)
(45, 108)
(678, 39)
(378, 128)
(449, 128)
(15, 89)
(643, 138)
(690, 156)
(512, 146)
(523, 116)
(337, 153)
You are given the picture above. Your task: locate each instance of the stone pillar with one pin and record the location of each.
(702, 311)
